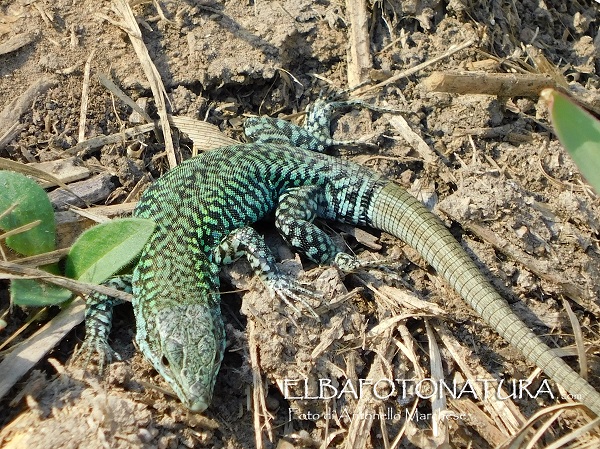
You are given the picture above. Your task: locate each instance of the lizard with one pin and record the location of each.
(203, 209)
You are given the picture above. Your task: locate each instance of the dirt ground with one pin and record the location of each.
(496, 175)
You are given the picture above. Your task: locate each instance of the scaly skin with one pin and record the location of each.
(195, 206)
(198, 207)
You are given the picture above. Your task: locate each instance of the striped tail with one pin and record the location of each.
(395, 211)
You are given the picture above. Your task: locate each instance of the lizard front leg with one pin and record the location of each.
(247, 242)
(98, 323)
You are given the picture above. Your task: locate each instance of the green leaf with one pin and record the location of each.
(579, 133)
(105, 249)
(31, 293)
(32, 204)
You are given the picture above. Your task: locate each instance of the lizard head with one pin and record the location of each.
(189, 344)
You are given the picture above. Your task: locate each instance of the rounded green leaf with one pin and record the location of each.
(105, 249)
(579, 133)
(32, 204)
(31, 293)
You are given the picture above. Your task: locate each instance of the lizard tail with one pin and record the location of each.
(395, 211)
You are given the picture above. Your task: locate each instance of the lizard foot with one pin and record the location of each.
(348, 264)
(289, 290)
(98, 347)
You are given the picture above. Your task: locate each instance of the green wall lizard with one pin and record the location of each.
(203, 209)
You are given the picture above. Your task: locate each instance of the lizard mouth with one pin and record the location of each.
(197, 405)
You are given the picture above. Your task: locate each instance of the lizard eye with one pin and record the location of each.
(175, 350)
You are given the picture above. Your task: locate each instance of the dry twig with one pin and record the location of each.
(80, 287)
(85, 94)
(405, 73)
(501, 84)
(259, 406)
(359, 58)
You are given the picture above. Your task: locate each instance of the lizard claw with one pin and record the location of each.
(98, 345)
(286, 289)
(348, 264)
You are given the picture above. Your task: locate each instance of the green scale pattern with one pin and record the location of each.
(202, 209)
(199, 204)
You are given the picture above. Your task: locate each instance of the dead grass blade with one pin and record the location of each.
(25, 227)
(452, 50)
(544, 66)
(360, 429)
(42, 259)
(438, 401)
(71, 284)
(131, 27)
(26, 355)
(19, 331)
(524, 431)
(259, 408)
(576, 435)
(7, 164)
(117, 92)
(407, 423)
(4, 213)
(505, 413)
(542, 429)
(583, 364)
(204, 135)
(85, 94)
(420, 146)
(359, 61)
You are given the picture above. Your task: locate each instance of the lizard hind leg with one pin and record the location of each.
(319, 115)
(247, 242)
(297, 209)
(294, 216)
(315, 135)
(277, 131)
